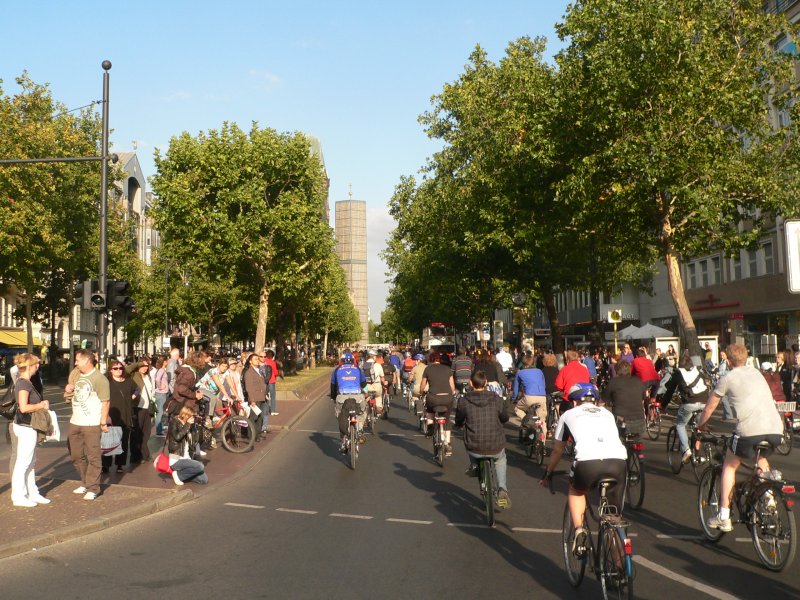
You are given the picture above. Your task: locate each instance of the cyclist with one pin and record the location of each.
(481, 413)
(415, 380)
(694, 395)
(645, 370)
(573, 372)
(752, 402)
(407, 366)
(348, 383)
(376, 381)
(438, 380)
(390, 373)
(599, 454)
(529, 381)
(624, 395)
(505, 360)
(462, 369)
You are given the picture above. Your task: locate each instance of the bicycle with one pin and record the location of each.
(439, 448)
(611, 558)
(236, 431)
(423, 422)
(351, 441)
(634, 482)
(386, 403)
(372, 414)
(701, 443)
(554, 401)
(532, 434)
(487, 481)
(761, 504)
(652, 417)
(787, 440)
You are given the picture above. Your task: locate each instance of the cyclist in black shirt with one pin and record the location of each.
(441, 390)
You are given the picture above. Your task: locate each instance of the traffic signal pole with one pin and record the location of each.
(103, 270)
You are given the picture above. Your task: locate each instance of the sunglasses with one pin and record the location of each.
(116, 368)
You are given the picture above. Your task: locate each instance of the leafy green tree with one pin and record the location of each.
(671, 104)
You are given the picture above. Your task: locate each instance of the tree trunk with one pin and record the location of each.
(325, 345)
(552, 317)
(29, 321)
(70, 326)
(261, 326)
(691, 342)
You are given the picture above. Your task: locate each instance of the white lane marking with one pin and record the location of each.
(664, 536)
(297, 510)
(346, 516)
(700, 587)
(535, 530)
(412, 521)
(483, 525)
(743, 540)
(237, 505)
(315, 431)
(393, 434)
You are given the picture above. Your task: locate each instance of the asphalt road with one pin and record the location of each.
(301, 524)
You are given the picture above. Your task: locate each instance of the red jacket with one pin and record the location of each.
(572, 373)
(644, 368)
(274, 366)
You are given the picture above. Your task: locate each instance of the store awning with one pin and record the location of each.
(18, 339)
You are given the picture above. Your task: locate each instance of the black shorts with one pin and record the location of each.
(442, 404)
(585, 474)
(743, 446)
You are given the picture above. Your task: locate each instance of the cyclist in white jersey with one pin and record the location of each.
(599, 454)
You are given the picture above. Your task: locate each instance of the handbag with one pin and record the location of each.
(161, 464)
(111, 441)
(8, 403)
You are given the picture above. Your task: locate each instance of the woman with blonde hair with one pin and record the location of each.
(24, 492)
(179, 441)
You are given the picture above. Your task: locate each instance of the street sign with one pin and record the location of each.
(165, 342)
(792, 230)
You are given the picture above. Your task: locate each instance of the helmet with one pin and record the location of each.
(408, 354)
(584, 392)
(767, 366)
(347, 358)
(372, 352)
(419, 357)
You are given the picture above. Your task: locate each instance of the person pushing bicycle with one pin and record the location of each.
(599, 454)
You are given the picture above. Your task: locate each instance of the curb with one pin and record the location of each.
(310, 398)
(72, 532)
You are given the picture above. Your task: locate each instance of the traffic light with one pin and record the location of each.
(97, 300)
(82, 293)
(117, 294)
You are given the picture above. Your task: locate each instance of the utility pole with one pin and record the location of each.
(102, 274)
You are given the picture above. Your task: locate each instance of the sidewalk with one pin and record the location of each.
(126, 496)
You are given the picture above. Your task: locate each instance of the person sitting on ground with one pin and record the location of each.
(179, 441)
(481, 414)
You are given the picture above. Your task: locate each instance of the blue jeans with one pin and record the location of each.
(190, 470)
(499, 465)
(264, 406)
(727, 411)
(273, 397)
(161, 400)
(684, 414)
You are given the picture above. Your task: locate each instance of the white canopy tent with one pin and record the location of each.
(648, 330)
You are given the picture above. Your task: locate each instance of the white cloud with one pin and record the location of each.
(265, 79)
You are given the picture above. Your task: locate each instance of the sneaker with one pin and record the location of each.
(79, 490)
(579, 542)
(212, 444)
(362, 439)
(503, 501)
(769, 497)
(448, 450)
(687, 456)
(472, 471)
(120, 470)
(39, 499)
(24, 503)
(176, 479)
(343, 447)
(275, 414)
(201, 453)
(721, 524)
(90, 496)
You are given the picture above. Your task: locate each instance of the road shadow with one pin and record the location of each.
(328, 445)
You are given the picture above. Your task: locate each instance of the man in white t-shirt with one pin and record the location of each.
(758, 421)
(504, 359)
(90, 404)
(599, 454)
(376, 380)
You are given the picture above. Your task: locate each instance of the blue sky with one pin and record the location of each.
(354, 74)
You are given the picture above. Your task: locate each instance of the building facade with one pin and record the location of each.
(351, 247)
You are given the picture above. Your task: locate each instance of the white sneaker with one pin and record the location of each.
(79, 490)
(24, 503)
(176, 479)
(201, 452)
(39, 499)
(687, 456)
(275, 414)
(90, 496)
(770, 497)
(721, 524)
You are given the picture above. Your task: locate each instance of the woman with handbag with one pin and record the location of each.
(179, 440)
(143, 409)
(123, 391)
(24, 492)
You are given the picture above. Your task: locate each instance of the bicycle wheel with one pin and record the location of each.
(238, 435)
(574, 566)
(386, 403)
(634, 486)
(786, 440)
(674, 450)
(614, 578)
(373, 421)
(708, 496)
(700, 461)
(487, 490)
(653, 422)
(773, 529)
(353, 447)
(538, 453)
(438, 445)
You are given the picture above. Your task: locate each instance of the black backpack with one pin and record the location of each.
(8, 403)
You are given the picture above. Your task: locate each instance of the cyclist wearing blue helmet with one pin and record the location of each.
(348, 385)
(599, 454)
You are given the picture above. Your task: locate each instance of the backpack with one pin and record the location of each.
(8, 403)
(408, 365)
(369, 371)
(388, 371)
(775, 386)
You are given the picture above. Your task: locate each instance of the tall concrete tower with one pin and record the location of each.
(351, 246)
